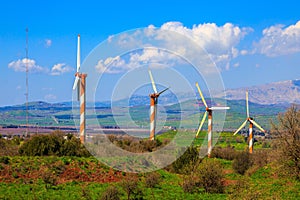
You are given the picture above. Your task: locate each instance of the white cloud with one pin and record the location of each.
(20, 65)
(111, 65)
(279, 40)
(236, 64)
(244, 52)
(137, 59)
(48, 43)
(60, 68)
(50, 97)
(220, 42)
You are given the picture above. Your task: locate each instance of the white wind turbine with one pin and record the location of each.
(251, 123)
(153, 106)
(209, 111)
(80, 84)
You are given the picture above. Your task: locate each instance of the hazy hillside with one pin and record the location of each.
(285, 92)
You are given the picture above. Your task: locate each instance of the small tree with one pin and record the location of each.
(242, 162)
(187, 162)
(189, 184)
(130, 186)
(111, 193)
(152, 179)
(287, 132)
(211, 176)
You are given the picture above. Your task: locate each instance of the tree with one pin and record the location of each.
(187, 162)
(130, 186)
(111, 193)
(211, 176)
(53, 144)
(242, 162)
(287, 132)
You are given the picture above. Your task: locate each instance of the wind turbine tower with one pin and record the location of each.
(251, 123)
(26, 65)
(80, 84)
(209, 112)
(153, 106)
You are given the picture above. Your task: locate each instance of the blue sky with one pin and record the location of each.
(251, 43)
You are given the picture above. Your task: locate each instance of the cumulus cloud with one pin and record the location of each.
(48, 43)
(60, 68)
(220, 42)
(20, 65)
(133, 60)
(279, 40)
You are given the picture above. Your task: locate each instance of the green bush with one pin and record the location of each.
(189, 185)
(211, 176)
(111, 193)
(130, 186)
(242, 162)
(53, 144)
(186, 162)
(152, 179)
(227, 153)
(4, 160)
(135, 145)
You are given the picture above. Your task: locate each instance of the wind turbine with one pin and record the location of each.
(153, 106)
(251, 122)
(209, 111)
(80, 84)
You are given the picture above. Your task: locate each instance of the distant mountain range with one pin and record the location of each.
(265, 102)
(277, 93)
(285, 92)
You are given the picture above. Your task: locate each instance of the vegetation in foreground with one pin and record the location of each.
(49, 167)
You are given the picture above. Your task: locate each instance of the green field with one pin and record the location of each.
(65, 177)
(262, 184)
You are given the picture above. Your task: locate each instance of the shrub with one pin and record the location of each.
(242, 162)
(135, 145)
(86, 193)
(4, 160)
(211, 176)
(8, 147)
(49, 179)
(53, 144)
(260, 157)
(111, 193)
(130, 186)
(189, 185)
(187, 162)
(152, 179)
(227, 153)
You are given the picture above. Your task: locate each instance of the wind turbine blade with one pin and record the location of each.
(152, 81)
(242, 126)
(163, 91)
(219, 108)
(247, 103)
(202, 97)
(75, 82)
(257, 125)
(54, 119)
(78, 53)
(201, 124)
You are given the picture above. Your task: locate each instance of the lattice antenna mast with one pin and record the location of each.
(26, 64)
